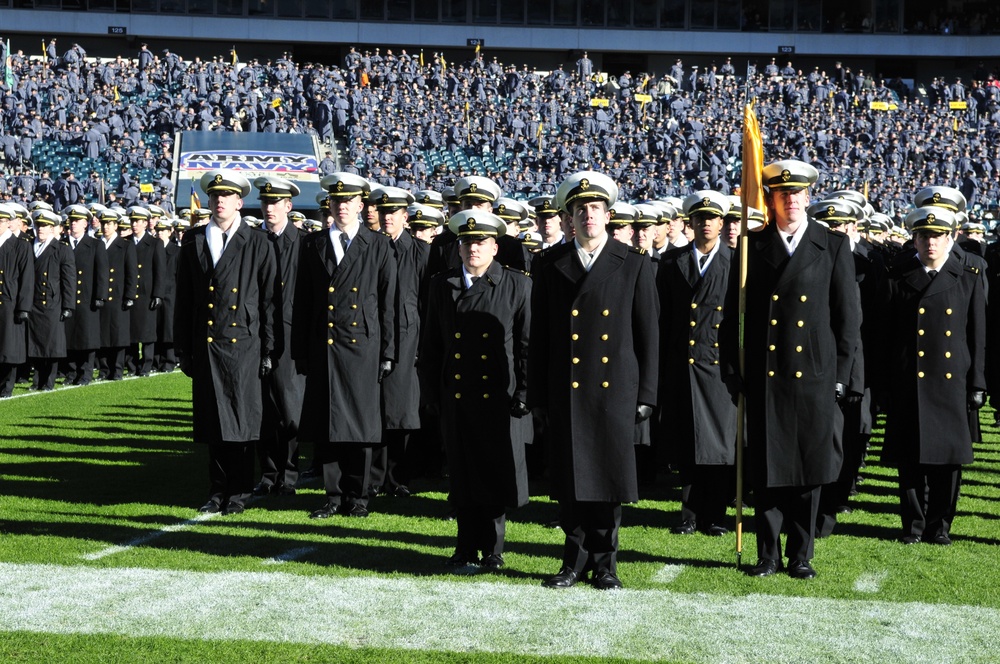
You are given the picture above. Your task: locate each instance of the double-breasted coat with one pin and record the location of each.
(17, 288)
(698, 414)
(151, 262)
(123, 275)
(473, 364)
(934, 341)
(83, 330)
(401, 388)
(802, 327)
(55, 286)
(343, 327)
(223, 324)
(594, 357)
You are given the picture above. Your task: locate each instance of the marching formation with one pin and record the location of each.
(607, 333)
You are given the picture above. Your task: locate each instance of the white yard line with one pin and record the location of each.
(488, 616)
(668, 573)
(870, 582)
(290, 555)
(148, 537)
(36, 393)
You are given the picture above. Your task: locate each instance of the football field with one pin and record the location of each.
(103, 557)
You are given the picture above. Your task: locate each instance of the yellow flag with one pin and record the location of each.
(865, 192)
(751, 189)
(421, 57)
(276, 103)
(477, 49)
(45, 56)
(541, 127)
(118, 97)
(235, 57)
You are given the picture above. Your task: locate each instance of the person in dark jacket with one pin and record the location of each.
(123, 280)
(343, 336)
(592, 374)
(165, 359)
(284, 388)
(473, 366)
(698, 416)
(801, 331)
(401, 388)
(151, 262)
(17, 287)
(54, 299)
(224, 336)
(934, 337)
(83, 330)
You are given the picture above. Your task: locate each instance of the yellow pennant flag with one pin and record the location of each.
(118, 97)
(751, 189)
(421, 57)
(276, 103)
(541, 128)
(235, 57)
(45, 56)
(478, 47)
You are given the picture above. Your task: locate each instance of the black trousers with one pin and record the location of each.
(835, 495)
(230, 472)
(706, 492)
(791, 510)
(928, 498)
(8, 372)
(111, 363)
(346, 472)
(165, 359)
(481, 528)
(140, 363)
(278, 447)
(80, 365)
(388, 468)
(591, 530)
(45, 373)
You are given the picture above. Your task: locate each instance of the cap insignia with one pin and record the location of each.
(473, 188)
(218, 178)
(786, 175)
(340, 185)
(585, 184)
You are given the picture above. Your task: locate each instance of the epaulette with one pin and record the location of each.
(640, 251)
(972, 269)
(514, 269)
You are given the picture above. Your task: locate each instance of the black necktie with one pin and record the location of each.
(790, 238)
(343, 241)
(702, 260)
(473, 280)
(224, 239)
(932, 274)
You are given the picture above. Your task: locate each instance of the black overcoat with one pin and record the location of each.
(123, 275)
(594, 356)
(165, 314)
(83, 330)
(934, 340)
(401, 388)
(55, 284)
(801, 332)
(151, 261)
(223, 325)
(473, 363)
(286, 386)
(17, 289)
(698, 414)
(343, 327)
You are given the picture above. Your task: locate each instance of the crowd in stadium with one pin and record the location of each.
(657, 135)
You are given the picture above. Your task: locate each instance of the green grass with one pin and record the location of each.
(86, 469)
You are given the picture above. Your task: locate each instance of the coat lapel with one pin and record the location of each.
(355, 250)
(204, 255)
(324, 250)
(607, 263)
(568, 265)
(811, 246)
(233, 247)
(770, 247)
(947, 276)
(689, 268)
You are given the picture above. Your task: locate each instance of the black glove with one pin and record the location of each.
(301, 366)
(20, 316)
(852, 398)
(642, 413)
(98, 304)
(519, 409)
(265, 367)
(185, 365)
(976, 399)
(155, 303)
(734, 385)
(839, 392)
(65, 314)
(384, 369)
(127, 304)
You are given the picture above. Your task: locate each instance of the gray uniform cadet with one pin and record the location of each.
(283, 389)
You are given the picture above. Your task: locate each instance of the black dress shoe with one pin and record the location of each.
(211, 507)
(844, 509)
(400, 492)
(310, 472)
(462, 559)
(492, 562)
(716, 531)
(909, 539)
(764, 567)
(566, 578)
(233, 508)
(940, 539)
(603, 579)
(687, 527)
(262, 489)
(282, 490)
(801, 569)
(325, 512)
(355, 510)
